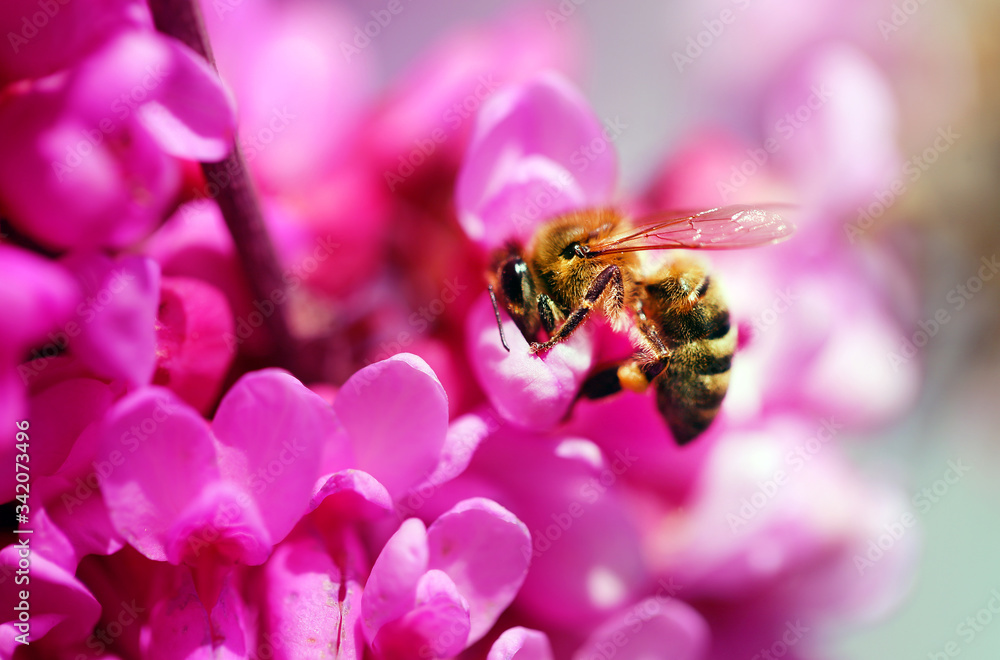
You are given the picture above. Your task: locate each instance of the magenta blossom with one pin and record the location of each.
(136, 105)
(524, 164)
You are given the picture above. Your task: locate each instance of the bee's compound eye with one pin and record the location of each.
(570, 251)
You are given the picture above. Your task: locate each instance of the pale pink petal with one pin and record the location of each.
(270, 430)
(150, 80)
(117, 320)
(61, 611)
(311, 606)
(44, 38)
(396, 413)
(180, 626)
(527, 390)
(652, 629)
(79, 518)
(61, 170)
(219, 525)
(464, 435)
(391, 589)
(301, 98)
(39, 296)
(352, 494)
(845, 151)
(520, 643)
(486, 550)
(80, 401)
(169, 458)
(436, 627)
(193, 355)
(586, 555)
(529, 135)
(190, 114)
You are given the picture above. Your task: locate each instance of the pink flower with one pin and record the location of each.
(237, 489)
(92, 152)
(524, 164)
(434, 591)
(115, 324)
(193, 356)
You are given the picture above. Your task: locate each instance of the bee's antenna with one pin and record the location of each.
(496, 311)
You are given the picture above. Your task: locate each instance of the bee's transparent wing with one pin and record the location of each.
(725, 228)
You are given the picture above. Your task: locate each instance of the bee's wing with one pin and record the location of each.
(724, 228)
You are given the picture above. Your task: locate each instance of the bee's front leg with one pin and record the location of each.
(609, 277)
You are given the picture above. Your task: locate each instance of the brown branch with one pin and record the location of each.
(238, 200)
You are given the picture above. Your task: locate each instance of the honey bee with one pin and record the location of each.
(677, 315)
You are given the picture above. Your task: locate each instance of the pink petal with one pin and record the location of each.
(464, 435)
(653, 629)
(62, 611)
(117, 320)
(220, 528)
(61, 170)
(164, 456)
(191, 115)
(79, 520)
(533, 134)
(527, 390)
(80, 401)
(327, 603)
(396, 413)
(162, 86)
(180, 626)
(486, 550)
(352, 494)
(45, 38)
(270, 430)
(520, 643)
(301, 100)
(391, 589)
(39, 296)
(586, 555)
(847, 150)
(436, 627)
(192, 351)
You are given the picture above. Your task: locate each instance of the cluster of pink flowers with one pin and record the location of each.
(426, 494)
